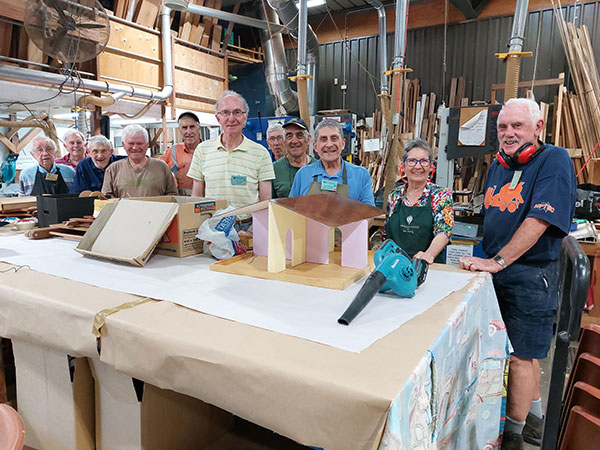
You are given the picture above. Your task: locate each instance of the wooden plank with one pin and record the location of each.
(332, 275)
(148, 12)
(12, 9)
(5, 38)
(451, 100)
(216, 37)
(460, 89)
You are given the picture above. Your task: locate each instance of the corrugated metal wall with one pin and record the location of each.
(470, 53)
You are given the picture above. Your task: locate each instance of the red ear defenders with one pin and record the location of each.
(522, 156)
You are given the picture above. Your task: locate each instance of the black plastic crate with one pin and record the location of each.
(60, 207)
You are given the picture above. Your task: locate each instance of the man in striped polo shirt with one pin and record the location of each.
(232, 167)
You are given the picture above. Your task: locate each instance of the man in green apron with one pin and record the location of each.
(331, 173)
(46, 177)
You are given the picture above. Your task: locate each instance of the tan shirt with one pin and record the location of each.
(122, 180)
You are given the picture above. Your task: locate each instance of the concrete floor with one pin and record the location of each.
(546, 368)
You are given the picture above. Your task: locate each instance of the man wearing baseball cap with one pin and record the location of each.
(297, 140)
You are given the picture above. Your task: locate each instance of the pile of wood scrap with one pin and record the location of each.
(582, 115)
(143, 12)
(201, 30)
(18, 207)
(71, 229)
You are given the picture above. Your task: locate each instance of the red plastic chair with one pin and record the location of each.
(12, 430)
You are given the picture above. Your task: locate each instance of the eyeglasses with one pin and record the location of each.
(412, 162)
(237, 113)
(275, 138)
(41, 150)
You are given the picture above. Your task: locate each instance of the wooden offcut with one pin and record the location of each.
(331, 276)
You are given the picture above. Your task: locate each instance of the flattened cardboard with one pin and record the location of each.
(180, 238)
(58, 412)
(150, 418)
(131, 230)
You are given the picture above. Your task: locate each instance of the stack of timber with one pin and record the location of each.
(201, 30)
(143, 12)
(582, 115)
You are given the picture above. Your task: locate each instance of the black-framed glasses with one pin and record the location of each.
(412, 162)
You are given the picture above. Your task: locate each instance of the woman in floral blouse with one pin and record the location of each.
(421, 214)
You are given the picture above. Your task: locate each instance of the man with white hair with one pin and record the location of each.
(46, 177)
(276, 140)
(138, 175)
(529, 204)
(232, 167)
(89, 174)
(76, 150)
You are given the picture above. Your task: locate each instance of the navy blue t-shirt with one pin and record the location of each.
(546, 190)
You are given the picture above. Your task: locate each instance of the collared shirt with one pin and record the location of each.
(441, 205)
(184, 159)
(27, 176)
(121, 179)
(284, 176)
(88, 177)
(359, 180)
(232, 175)
(66, 160)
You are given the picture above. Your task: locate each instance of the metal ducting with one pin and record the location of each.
(288, 14)
(383, 65)
(276, 68)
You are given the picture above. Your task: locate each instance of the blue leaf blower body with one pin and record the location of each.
(395, 271)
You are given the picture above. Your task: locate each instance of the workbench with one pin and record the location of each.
(436, 380)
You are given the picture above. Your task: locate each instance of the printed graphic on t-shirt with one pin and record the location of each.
(506, 198)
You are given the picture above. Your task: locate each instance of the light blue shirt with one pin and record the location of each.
(27, 177)
(358, 179)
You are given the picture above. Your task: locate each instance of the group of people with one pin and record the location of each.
(522, 241)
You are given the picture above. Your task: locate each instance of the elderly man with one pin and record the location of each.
(89, 174)
(275, 140)
(331, 173)
(46, 177)
(75, 145)
(232, 167)
(297, 140)
(529, 204)
(138, 175)
(179, 156)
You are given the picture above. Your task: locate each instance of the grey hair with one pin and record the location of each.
(226, 94)
(99, 140)
(329, 123)
(43, 139)
(73, 131)
(134, 130)
(531, 105)
(417, 143)
(274, 126)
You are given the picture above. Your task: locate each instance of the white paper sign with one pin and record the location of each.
(371, 145)
(456, 251)
(473, 131)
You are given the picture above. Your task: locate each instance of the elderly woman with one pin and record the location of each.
(45, 177)
(421, 213)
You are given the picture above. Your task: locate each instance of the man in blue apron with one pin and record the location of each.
(331, 173)
(45, 177)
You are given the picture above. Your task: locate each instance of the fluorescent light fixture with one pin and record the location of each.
(312, 3)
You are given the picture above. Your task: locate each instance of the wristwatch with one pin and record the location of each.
(500, 260)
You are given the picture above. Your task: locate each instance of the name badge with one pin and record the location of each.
(515, 179)
(238, 180)
(328, 185)
(51, 177)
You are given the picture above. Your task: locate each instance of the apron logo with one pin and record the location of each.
(409, 219)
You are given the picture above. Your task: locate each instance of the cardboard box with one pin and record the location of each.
(60, 207)
(132, 415)
(55, 397)
(180, 239)
(127, 231)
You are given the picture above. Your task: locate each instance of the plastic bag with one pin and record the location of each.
(220, 237)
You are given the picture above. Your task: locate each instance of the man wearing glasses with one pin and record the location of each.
(275, 140)
(46, 177)
(89, 174)
(232, 167)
